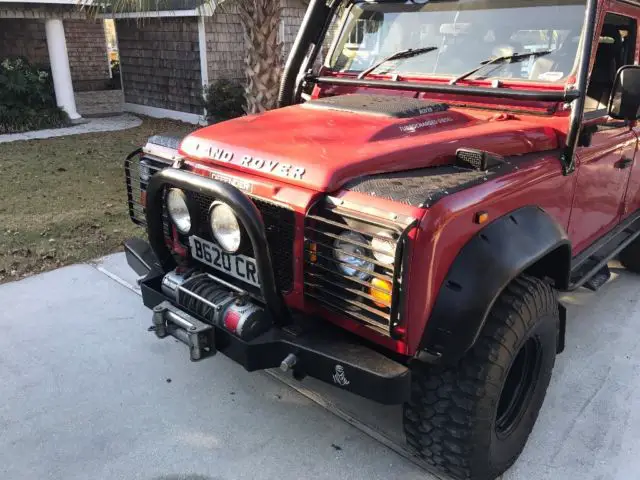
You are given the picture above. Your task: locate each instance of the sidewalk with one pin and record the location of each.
(104, 124)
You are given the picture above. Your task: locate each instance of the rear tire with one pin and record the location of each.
(472, 420)
(630, 256)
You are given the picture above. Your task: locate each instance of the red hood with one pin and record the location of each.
(323, 149)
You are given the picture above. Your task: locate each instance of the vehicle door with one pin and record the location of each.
(607, 147)
(631, 204)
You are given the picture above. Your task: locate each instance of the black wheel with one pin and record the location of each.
(472, 420)
(630, 256)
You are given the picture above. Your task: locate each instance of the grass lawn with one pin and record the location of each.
(64, 199)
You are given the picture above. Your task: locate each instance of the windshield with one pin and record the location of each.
(466, 34)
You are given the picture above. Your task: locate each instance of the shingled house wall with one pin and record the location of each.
(86, 45)
(225, 44)
(160, 58)
(292, 13)
(87, 49)
(24, 37)
(160, 63)
(225, 38)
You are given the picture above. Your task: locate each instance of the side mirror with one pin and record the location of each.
(624, 103)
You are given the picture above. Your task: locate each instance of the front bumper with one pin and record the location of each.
(305, 346)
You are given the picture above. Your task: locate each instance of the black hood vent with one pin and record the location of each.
(384, 105)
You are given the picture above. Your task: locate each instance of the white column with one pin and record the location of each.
(60, 70)
(202, 46)
(204, 63)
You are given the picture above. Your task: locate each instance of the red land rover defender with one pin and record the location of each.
(400, 227)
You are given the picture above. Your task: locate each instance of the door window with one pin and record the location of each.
(615, 49)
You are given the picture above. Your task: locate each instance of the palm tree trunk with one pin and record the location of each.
(263, 61)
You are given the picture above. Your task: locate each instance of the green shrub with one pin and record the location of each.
(27, 100)
(224, 99)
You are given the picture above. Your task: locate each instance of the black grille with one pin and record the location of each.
(279, 224)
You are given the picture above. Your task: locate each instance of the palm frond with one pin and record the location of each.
(95, 7)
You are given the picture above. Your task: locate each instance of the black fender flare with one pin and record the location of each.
(527, 239)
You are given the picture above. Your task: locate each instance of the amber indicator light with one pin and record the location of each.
(313, 252)
(381, 291)
(481, 217)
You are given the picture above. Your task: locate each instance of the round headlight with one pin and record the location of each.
(225, 227)
(384, 250)
(344, 251)
(178, 210)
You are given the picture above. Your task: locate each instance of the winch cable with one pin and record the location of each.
(206, 288)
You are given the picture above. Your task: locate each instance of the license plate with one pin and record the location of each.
(238, 266)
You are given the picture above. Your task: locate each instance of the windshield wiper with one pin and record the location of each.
(408, 53)
(502, 58)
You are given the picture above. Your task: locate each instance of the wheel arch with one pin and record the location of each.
(527, 240)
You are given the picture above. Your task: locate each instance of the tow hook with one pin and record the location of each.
(289, 362)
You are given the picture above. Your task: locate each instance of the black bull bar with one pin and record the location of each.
(243, 207)
(321, 350)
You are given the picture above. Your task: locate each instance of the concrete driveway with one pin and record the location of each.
(87, 393)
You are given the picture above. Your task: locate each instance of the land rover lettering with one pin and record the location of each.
(204, 149)
(272, 166)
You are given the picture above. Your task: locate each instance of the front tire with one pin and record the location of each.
(472, 420)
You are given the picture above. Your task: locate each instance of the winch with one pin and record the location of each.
(201, 294)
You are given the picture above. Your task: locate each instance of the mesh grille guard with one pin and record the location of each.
(350, 295)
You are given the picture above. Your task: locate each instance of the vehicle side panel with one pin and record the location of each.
(449, 225)
(601, 185)
(504, 248)
(632, 196)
